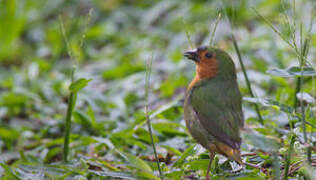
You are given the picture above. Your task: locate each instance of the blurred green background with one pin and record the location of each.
(110, 41)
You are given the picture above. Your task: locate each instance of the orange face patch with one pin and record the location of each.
(206, 67)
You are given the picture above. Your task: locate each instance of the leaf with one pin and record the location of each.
(104, 173)
(121, 71)
(143, 135)
(8, 133)
(52, 153)
(167, 106)
(124, 175)
(169, 129)
(270, 103)
(136, 162)
(172, 150)
(279, 72)
(200, 164)
(248, 177)
(146, 175)
(79, 84)
(189, 151)
(105, 141)
(305, 97)
(175, 174)
(293, 71)
(9, 172)
(260, 141)
(82, 119)
(169, 86)
(306, 71)
(58, 170)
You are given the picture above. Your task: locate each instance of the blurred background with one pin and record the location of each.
(110, 42)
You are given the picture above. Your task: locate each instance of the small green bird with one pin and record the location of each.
(212, 107)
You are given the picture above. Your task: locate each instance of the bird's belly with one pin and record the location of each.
(195, 128)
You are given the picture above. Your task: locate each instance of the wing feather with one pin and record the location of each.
(217, 104)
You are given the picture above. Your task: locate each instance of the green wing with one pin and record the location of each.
(217, 104)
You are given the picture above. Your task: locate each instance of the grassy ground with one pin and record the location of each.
(111, 43)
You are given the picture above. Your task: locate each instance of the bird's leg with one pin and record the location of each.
(211, 154)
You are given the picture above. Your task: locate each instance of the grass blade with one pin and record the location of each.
(246, 78)
(73, 92)
(85, 28)
(293, 46)
(190, 150)
(71, 104)
(273, 28)
(242, 66)
(297, 90)
(304, 50)
(214, 29)
(276, 165)
(72, 97)
(9, 173)
(147, 84)
(63, 32)
(288, 158)
(187, 33)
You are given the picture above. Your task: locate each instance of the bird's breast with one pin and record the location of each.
(194, 126)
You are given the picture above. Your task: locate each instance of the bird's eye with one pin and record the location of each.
(208, 55)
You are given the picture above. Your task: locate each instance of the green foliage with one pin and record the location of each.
(293, 71)
(12, 23)
(122, 71)
(176, 80)
(108, 137)
(78, 84)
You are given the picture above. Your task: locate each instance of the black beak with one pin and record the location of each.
(192, 54)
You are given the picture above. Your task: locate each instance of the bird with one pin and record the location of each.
(213, 104)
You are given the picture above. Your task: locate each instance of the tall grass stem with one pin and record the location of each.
(246, 78)
(297, 90)
(276, 165)
(231, 21)
(63, 32)
(187, 34)
(302, 63)
(214, 29)
(71, 105)
(147, 86)
(83, 36)
(288, 158)
(293, 46)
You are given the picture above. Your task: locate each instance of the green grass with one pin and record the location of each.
(125, 126)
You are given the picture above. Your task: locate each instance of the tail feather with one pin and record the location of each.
(236, 156)
(231, 153)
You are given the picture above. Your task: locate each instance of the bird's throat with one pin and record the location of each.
(204, 71)
(194, 81)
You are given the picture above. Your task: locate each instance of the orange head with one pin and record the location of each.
(205, 60)
(206, 63)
